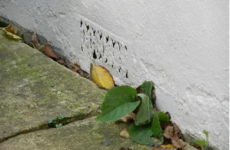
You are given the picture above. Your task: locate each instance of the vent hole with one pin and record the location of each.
(114, 44)
(126, 48)
(87, 26)
(106, 60)
(81, 23)
(126, 75)
(107, 39)
(94, 54)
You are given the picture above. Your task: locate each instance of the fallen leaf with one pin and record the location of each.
(11, 32)
(177, 130)
(106, 142)
(61, 62)
(76, 68)
(168, 132)
(11, 29)
(165, 147)
(122, 148)
(101, 77)
(39, 47)
(124, 133)
(34, 42)
(129, 116)
(173, 133)
(168, 147)
(49, 52)
(34, 38)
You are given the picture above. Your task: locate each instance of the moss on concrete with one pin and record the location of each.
(34, 88)
(81, 135)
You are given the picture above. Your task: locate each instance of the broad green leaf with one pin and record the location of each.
(146, 88)
(58, 125)
(60, 117)
(118, 102)
(145, 111)
(163, 117)
(206, 133)
(141, 134)
(50, 121)
(156, 127)
(201, 143)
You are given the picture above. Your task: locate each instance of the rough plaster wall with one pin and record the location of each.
(181, 45)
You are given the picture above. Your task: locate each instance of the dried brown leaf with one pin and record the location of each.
(76, 68)
(61, 62)
(36, 44)
(177, 130)
(49, 52)
(34, 38)
(124, 133)
(168, 132)
(176, 142)
(122, 148)
(130, 116)
(39, 47)
(171, 132)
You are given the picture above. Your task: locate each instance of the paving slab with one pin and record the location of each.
(80, 135)
(34, 88)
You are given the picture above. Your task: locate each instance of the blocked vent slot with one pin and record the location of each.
(103, 48)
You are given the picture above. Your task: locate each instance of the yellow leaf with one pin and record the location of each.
(11, 32)
(101, 77)
(11, 29)
(165, 147)
(168, 147)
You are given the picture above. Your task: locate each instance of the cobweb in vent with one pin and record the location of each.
(103, 49)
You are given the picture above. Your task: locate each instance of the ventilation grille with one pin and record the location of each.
(103, 48)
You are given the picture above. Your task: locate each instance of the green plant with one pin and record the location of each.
(121, 101)
(58, 122)
(203, 143)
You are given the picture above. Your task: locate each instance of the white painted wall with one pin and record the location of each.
(181, 45)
